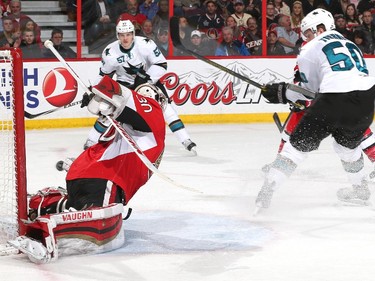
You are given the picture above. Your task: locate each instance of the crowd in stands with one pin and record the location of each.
(208, 27)
(19, 30)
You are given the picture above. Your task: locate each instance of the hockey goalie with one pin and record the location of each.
(87, 217)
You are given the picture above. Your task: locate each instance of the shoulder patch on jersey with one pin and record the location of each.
(106, 51)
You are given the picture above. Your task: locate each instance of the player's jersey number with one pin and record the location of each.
(340, 61)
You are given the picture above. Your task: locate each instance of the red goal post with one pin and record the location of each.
(13, 192)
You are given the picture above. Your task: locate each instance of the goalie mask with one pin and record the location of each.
(151, 91)
(315, 18)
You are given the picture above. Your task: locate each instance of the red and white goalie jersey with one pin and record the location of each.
(113, 159)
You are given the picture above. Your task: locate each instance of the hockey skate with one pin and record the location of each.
(358, 194)
(264, 197)
(190, 146)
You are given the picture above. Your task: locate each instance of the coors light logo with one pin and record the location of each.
(219, 86)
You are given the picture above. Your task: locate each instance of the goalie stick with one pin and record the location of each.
(32, 116)
(49, 45)
(176, 40)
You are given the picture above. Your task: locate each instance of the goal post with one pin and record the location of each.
(13, 191)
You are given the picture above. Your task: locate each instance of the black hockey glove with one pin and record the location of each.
(275, 93)
(141, 78)
(86, 98)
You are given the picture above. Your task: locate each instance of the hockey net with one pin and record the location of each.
(13, 196)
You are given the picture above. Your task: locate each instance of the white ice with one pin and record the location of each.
(180, 235)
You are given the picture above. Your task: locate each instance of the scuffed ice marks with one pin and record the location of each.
(171, 232)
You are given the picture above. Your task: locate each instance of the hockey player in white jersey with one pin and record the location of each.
(333, 67)
(136, 60)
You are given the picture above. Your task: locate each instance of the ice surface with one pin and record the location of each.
(178, 235)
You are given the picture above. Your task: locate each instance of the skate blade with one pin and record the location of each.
(355, 202)
(7, 250)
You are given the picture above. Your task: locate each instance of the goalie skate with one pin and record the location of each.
(357, 195)
(34, 249)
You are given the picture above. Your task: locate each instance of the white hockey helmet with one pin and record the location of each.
(125, 26)
(151, 91)
(315, 18)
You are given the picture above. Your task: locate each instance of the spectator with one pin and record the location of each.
(368, 27)
(270, 14)
(31, 25)
(351, 16)
(366, 5)
(163, 40)
(361, 41)
(225, 7)
(132, 13)
(296, 16)
(7, 37)
(147, 30)
(149, 8)
(211, 19)
(310, 5)
(177, 8)
(281, 8)
(191, 7)
(230, 46)
(274, 48)
(252, 38)
(16, 15)
(64, 50)
(30, 49)
(237, 30)
(343, 5)
(185, 31)
(340, 23)
(199, 46)
(253, 8)
(239, 13)
(162, 16)
(97, 18)
(71, 10)
(287, 37)
(332, 6)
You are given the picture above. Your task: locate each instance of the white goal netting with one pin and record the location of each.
(12, 146)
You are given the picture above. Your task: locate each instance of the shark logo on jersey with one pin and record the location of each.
(133, 69)
(59, 87)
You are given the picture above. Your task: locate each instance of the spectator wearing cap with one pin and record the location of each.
(199, 46)
(340, 23)
(211, 19)
(64, 50)
(287, 37)
(368, 27)
(239, 13)
(162, 40)
(274, 48)
(229, 46)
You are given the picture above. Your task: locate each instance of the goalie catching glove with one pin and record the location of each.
(109, 98)
(275, 93)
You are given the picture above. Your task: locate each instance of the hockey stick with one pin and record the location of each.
(48, 44)
(280, 126)
(120, 129)
(32, 116)
(176, 40)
